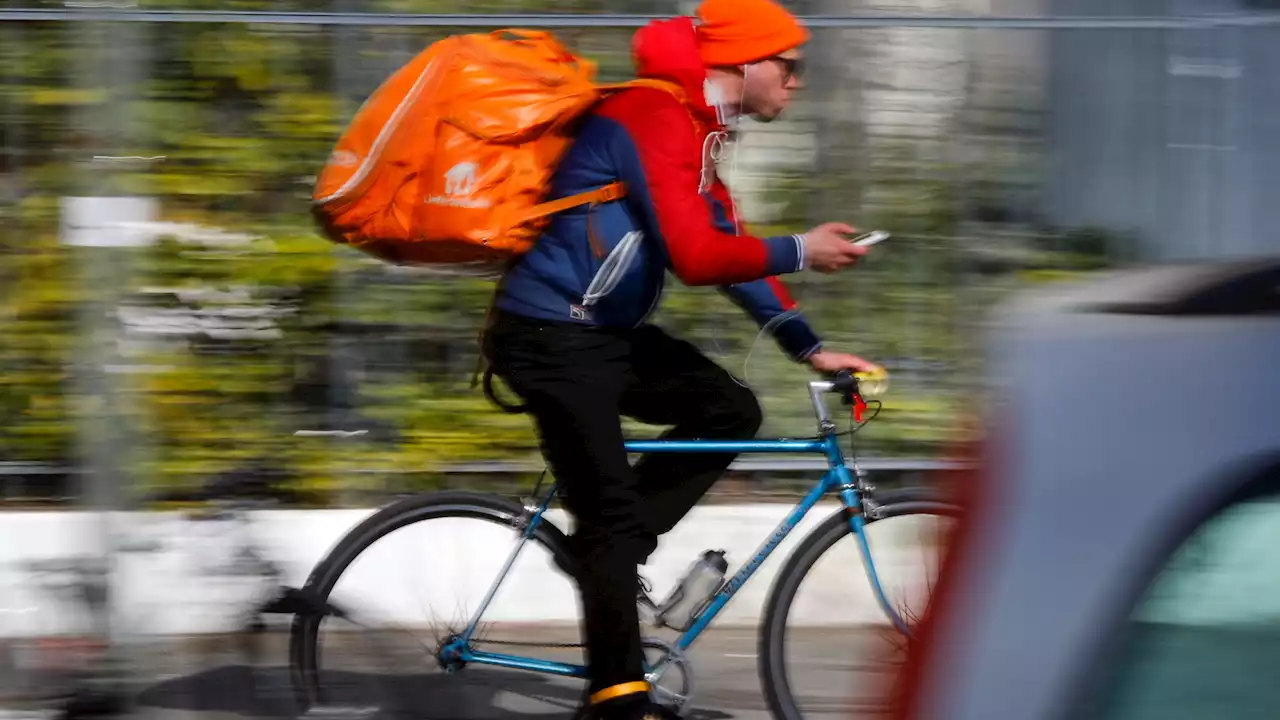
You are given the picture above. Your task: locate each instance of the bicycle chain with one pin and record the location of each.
(524, 643)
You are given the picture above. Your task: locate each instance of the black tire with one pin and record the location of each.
(774, 680)
(325, 575)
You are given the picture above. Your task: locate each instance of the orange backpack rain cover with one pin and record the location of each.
(449, 160)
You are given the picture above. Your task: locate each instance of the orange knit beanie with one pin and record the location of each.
(738, 32)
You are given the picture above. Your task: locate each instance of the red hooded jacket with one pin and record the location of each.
(677, 215)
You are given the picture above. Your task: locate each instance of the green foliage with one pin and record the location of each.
(36, 302)
(242, 117)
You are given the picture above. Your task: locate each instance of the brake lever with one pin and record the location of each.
(847, 383)
(859, 407)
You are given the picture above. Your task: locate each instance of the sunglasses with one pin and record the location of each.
(793, 67)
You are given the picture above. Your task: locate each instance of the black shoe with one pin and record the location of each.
(660, 712)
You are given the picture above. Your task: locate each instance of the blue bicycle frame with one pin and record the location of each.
(837, 477)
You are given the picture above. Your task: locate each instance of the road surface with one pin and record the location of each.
(207, 679)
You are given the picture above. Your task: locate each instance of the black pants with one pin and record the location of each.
(577, 383)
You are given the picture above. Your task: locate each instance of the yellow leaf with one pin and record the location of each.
(68, 96)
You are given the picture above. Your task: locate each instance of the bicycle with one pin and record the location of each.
(861, 504)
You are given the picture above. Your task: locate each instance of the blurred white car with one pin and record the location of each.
(1121, 558)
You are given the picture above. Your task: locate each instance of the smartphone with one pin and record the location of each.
(871, 238)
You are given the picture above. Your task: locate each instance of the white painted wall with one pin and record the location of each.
(437, 567)
(434, 566)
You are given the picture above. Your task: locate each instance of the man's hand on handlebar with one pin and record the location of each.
(830, 362)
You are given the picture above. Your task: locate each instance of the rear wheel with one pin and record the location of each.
(823, 625)
(379, 653)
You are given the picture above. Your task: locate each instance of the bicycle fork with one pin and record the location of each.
(859, 501)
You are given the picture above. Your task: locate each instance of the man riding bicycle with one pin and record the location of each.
(569, 332)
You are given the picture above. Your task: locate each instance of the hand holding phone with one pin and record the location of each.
(828, 248)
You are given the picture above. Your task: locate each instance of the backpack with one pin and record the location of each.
(449, 160)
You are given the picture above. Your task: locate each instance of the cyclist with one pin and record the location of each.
(569, 334)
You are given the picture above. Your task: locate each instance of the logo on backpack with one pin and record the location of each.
(459, 183)
(461, 179)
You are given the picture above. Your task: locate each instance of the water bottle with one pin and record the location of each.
(698, 585)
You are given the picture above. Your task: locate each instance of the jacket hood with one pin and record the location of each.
(668, 50)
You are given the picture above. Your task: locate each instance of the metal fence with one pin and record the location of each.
(200, 322)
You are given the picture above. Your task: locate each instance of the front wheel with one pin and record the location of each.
(827, 633)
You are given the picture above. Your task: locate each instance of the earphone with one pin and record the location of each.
(713, 93)
(746, 75)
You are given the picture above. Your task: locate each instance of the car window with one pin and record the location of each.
(1205, 639)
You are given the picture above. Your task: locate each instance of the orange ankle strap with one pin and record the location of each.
(627, 688)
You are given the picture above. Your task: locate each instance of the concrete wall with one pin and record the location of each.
(186, 588)
(1170, 134)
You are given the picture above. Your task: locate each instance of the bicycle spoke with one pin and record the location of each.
(434, 581)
